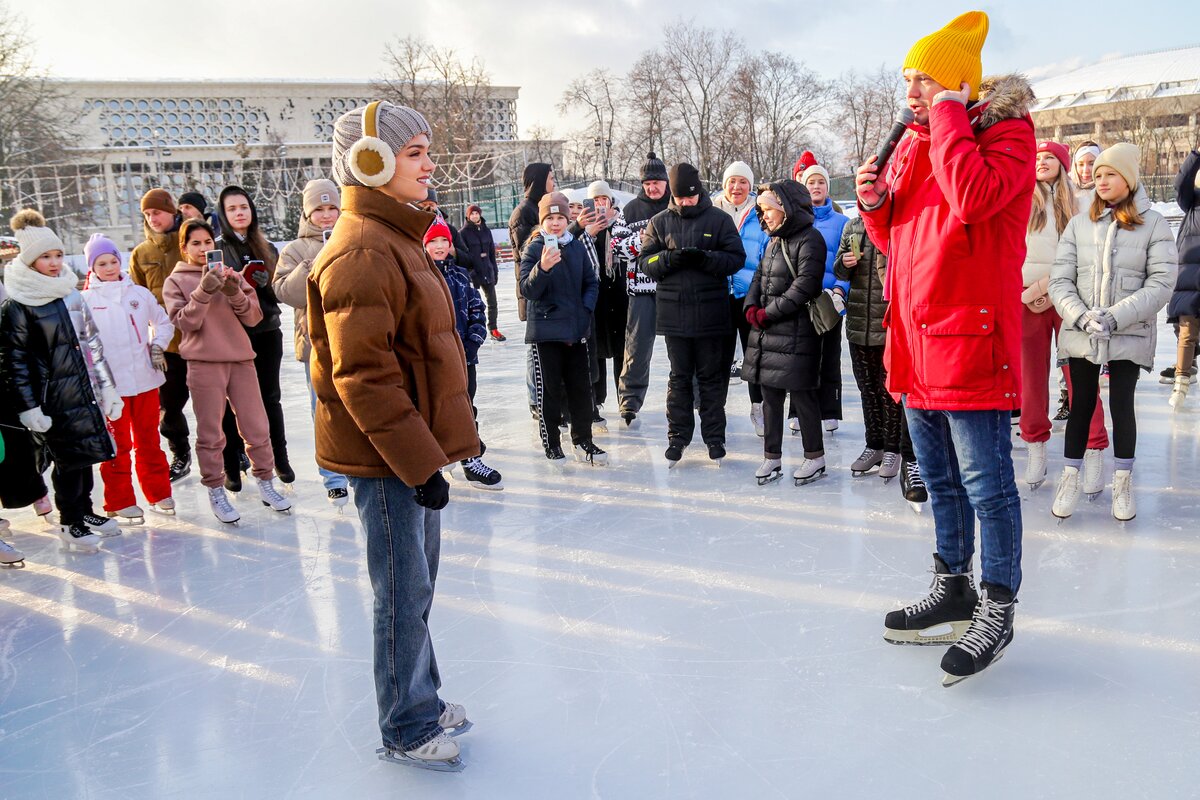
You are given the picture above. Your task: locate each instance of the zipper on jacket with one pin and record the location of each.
(136, 332)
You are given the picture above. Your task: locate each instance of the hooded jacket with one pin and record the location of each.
(478, 242)
(214, 326)
(830, 222)
(470, 318)
(787, 353)
(754, 239)
(387, 365)
(238, 255)
(152, 261)
(125, 315)
(628, 243)
(52, 357)
(953, 227)
(692, 301)
(865, 306)
(291, 279)
(1101, 265)
(561, 300)
(1186, 298)
(524, 219)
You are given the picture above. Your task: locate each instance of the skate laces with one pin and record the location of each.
(890, 459)
(935, 596)
(590, 448)
(914, 474)
(218, 498)
(985, 629)
(868, 454)
(477, 466)
(268, 490)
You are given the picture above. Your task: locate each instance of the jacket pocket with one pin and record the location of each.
(956, 345)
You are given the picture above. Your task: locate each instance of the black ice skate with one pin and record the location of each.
(716, 452)
(555, 454)
(181, 466)
(912, 485)
(588, 453)
(986, 639)
(480, 475)
(674, 454)
(940, 617)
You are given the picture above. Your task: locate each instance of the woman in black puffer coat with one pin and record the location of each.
(1184, 308)
(784, 351)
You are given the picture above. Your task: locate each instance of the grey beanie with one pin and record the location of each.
(397, 125)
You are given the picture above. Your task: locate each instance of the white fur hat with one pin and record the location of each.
(29, 229)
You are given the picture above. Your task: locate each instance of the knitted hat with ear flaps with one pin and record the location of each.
(370, 164)
(952, 55)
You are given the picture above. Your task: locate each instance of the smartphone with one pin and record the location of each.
(590, 205)
(325, 234)
(214, 258)
(551, 241)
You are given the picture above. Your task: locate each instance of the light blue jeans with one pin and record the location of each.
(331, 479)
(966, 461)
(403, 547)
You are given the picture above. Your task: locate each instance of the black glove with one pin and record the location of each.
(689, 258)
(434, 493)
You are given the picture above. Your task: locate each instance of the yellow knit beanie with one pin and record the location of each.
(951, 56)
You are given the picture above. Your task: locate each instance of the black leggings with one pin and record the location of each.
(489, 295)
(1122, 382)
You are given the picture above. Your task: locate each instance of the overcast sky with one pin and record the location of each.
(540, 45)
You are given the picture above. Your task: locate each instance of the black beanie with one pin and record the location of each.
(685, 180)
(654, 169)
(431, 197)
(194, 199)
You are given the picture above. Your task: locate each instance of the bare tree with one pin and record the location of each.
(596, 93)
(864, 107)
(781, 101)
(450, 92)
(648, 105)
(541, 145)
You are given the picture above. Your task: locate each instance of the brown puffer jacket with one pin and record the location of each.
(152, 261)
(387, 365)
(291, 280)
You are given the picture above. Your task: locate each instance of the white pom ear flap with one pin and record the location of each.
(370, 160)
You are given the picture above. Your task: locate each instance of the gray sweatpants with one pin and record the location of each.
(639, 346)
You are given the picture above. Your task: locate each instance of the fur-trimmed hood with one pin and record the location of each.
(1004, 97)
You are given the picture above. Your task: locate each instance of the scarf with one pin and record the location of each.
(31, 288)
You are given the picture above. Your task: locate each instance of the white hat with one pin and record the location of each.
(29, 229)
(739, 168)
(815, 169)
(599, 189)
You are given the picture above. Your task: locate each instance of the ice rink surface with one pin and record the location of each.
(619, 632)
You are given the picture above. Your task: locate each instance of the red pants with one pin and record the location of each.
(211, 384)
(136, 435)
(1037, 334)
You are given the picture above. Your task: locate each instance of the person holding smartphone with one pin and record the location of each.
(247, 250)
(321, 207)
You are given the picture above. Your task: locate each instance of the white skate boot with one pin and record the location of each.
(831, 425)
(769, 471)
(1179, 392)
(102, 526)
(454, 719)
(756, 419)
(130, 515)
(1123, 506)
(1093, 473)
(222, 509)
(1035, 465)
(440, 754)
(271, 497)
(11, 556)
(1066, 498)
(810, 470)
(79, 537)
(166, 507)
(794, 425)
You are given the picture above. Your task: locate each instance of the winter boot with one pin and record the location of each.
(78, 536)
(480, 475)
(756, 419)
(869, 459)
(1123, 506)
(102, 526)
(181, 466)
(588, 453)
(130, 515)
(912, 484)
(222, 509)
(271, 497)
(889, 466)
(950, 602)
(769, 471)
(1093, 473)
(985, 640)
(1066, 497)
(810, 470)
(1064, 406)
(11, 556)
(1179, 392)
(1035, 464)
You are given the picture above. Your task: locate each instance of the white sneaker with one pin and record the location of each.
(1093, 473)
(1035, 464)
(130, 515)
(810, 470)
(222, 509)
(756, 418)
(166, 507)
(831, 425)
(1123, 506)
(271, 497)
(1066, 497)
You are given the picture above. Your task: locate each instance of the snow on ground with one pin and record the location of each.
(615, 633)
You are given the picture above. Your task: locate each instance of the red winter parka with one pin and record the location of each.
(953, 227)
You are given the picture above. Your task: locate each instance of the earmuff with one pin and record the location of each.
(370, 160)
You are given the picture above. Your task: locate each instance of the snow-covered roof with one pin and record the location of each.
(1165, 73)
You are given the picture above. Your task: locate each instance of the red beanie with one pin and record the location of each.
(806, 160)
(1059, 151)
(438, 228)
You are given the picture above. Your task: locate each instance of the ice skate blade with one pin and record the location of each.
(1033, 487)
(12, 564)
(717, 461)
(918, 508)
(673, 464)
(88, 549)
(477, 485)
(455, 764)
(924, 637)
(287, 510)
(459, 730)
(816, 476)
(949, 680)
(129, 522)
(774, 476)
(861, 473)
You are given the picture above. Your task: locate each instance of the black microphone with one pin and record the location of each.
(903, 120)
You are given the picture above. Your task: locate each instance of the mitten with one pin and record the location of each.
(35, 420)
(211, 282)
(760, 319)
(752, 315)
(434, 493)
(231, 286)
(158, 358)
(839, 302)
(111, 403)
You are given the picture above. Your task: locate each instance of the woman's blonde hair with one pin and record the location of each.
(1063, 192)
(1125, 212)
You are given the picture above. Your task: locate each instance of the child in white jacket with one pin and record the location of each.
(135, 330)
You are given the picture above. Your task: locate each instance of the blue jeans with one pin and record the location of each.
(966, 461)
(331, 479)
(403, 546)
